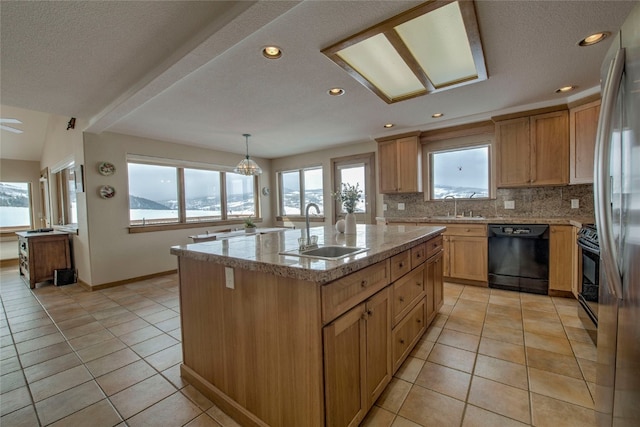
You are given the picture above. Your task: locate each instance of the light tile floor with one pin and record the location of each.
(69, 357)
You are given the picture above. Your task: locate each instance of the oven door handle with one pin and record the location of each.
(602, 173)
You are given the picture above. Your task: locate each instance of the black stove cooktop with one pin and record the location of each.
(588, 238)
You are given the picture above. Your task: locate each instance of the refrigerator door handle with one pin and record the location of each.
(602, 172)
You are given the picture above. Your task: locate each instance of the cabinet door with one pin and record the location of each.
(468, 258)
(433, 285)
(513, 154)
(550, 148)
(388, 166)
(563, 253)
(345, 370)
(409, 165)
(583, 125)
(378, 345)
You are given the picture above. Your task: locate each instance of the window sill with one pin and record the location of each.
(150, 228)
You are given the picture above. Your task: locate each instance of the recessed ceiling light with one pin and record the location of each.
(437, 115)
(272, 52)
(336, 91)
(389, 125)
(565, 89)
(594, 38)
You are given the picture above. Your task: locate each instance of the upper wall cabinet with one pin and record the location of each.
(400, 164)
(533, 150)
(583, 125)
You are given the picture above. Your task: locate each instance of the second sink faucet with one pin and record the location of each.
(306, 218)
(455, 205)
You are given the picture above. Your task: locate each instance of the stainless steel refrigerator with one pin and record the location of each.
(617, 205)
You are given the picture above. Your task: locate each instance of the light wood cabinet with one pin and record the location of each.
(434, 285)
(533, 150)
(563, 260)
(465, 254)
(357, 360)
(407, 333)
(40, 254)
(400, 164)
(407, 291)
(583, 126)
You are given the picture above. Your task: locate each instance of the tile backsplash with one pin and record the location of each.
(533, 202)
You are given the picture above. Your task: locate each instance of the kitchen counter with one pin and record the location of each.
(575, 221)
(262, 252)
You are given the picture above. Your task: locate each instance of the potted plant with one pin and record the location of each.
(349, 197)
(249, 225)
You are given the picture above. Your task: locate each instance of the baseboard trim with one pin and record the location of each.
(124, 282)
(563, 294)
(13, 262)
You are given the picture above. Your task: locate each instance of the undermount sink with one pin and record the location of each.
(326, 252)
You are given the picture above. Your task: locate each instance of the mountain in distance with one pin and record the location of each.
(10, 195)
(142, 203)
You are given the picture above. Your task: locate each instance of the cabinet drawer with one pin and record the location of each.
(406, 292)
(418, 255)
(433, 246)
(407, 333)
(479, 230)
(400, 265)
(340, 295)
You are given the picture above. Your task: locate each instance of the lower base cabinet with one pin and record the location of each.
(357, 363)
(434, 285)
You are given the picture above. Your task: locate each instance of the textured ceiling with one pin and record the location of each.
(192, 72)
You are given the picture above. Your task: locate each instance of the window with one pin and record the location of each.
(353, 174)
(65, 210)
(163, 193)
(357, 169)
(297, 188)
(15, 200)
(461, 169)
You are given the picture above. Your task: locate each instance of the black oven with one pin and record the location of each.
(588, 296)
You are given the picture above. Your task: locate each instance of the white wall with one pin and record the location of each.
(115, 254)
(21, 171)
(323, 157)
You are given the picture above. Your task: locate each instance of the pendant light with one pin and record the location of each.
(247, 166)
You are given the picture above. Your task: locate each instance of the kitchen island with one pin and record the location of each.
(280, 340)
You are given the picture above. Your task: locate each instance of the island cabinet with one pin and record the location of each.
(465, 256)
(400, 164)
(533, 150)
(276, 350)
(583, 125)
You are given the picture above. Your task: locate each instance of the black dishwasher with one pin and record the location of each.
(519, 257)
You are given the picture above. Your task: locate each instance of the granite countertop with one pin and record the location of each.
(575, 221)
(262, 252)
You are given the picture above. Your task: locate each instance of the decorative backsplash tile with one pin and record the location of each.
(528, 202)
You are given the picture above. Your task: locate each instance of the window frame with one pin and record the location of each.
(459, 144)
(280, 183)
(60, 198)
(183, 222)
(12, 229)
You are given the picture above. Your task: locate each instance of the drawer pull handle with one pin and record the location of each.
(401, 265)
(418, 284)
(419, 320)
(370, 311)
(363, 283)
(401, 341)
(419, 255)
(401, 299)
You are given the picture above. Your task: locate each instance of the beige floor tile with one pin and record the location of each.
(513, 374)
(577, 334)
(25, 417)
(198, 398)
(111, 362)
(172, 374)
(39, 343)
(142, 395)
(100, 414)
(175, 410)
(154, 345)
(12, 381)
(502, 350)
(35, 323)
(589, 369)
(66, 403)
(203, 420)
(560, 387)
(553, 362)
(550, 316)
(59, 382)
(10, 365)
(547, 412)
(450, 382)
(118, 319)
(585, 350)
(104, 348)
(125, 377)
(543, 327)
(465, 325)
(51, 367)
(44, 354)
(14, 400)
(452, 357)
(500, 398)
(458, 339)
(440, 320)
(470, 305)
(478, 417)
(30, 334)
(109, 312)
(125, 328)
(86, 329)
(140, 335)
(222, 418)
(432, 334)
(169, 324)
(427, 408)
(548, 343)
(572, 321)
(502, 321)
(403, 422)
(504, 301)
(378, 417)
(410, 369)
(446, 308)
(422, 349)
(545, 305)
(166, 358)
(90, 339)
(394, 395)
(499, 333)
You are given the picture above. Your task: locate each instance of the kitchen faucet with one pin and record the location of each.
(306, 218)
(455, 205)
